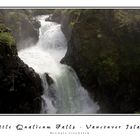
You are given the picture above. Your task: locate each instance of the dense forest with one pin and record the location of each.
(103, 49)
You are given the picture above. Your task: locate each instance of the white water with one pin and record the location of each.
(65, 95)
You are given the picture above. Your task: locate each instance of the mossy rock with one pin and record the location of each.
(7, 39)
(7, 44)
(105, 53)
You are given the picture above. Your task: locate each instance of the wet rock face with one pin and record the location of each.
(20, 86)
(23, 25)
(28, 33)
(104, 51)
(64, 18)
(49, 79)
(55, 17)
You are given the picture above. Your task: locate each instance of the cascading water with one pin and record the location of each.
(64, 94)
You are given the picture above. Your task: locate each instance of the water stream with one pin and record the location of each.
(64, 95)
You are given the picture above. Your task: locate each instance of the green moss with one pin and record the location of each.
(72, 24)
(7, 39)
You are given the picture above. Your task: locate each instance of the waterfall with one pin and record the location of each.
(64, 94)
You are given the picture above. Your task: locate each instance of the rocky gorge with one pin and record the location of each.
(103, 49)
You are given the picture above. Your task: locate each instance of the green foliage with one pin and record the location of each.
(108, 71)
(7, 39)
(72, 23)
(127, 18)
(2, 28)
(106, 55)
